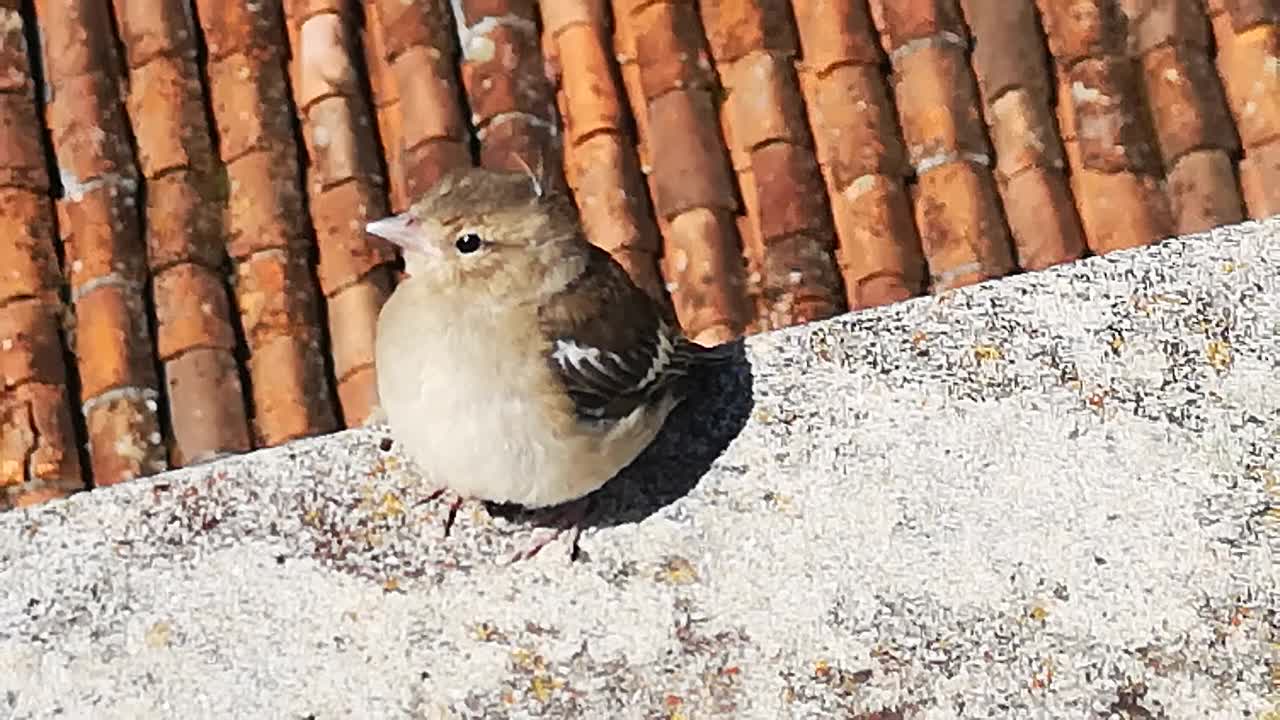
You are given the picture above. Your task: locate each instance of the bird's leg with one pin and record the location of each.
(454, 504)
(567, 520)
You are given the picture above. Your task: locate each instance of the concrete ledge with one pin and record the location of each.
(1048, 496)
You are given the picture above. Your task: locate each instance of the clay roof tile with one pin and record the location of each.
(504, 74)
(103, 241)
(962, 231)
(345, 189)
(671, 91)
(602, 169)
(415, 47)
(268, 236)
(1116, 169)
(38, 441)
(792, 272)
(1009, 60)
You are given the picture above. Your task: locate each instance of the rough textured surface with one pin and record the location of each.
(1046, 496)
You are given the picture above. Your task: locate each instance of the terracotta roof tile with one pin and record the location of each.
(28, 260)
(1246, 14)
(832, 33)
(905, 22)
(1009, 60)
(859, 149)
(735, 30)
(601, 167)
(511, 99)
(405, 26)
(1247, 33)
(151, 29)
(22, 159)
(670, 86)
(238, 82)
(38, 460)
(103, 242)
(251, 27)
(1106, 128)
(1189, 112)
(793, 275)
(275, 292)
(669, 45)
(38, 441)
(1079, 29)
(428, 96)
(385, 99)
(957, 208)
(185, 239)
(345, 189)
(415, 46)
(1153, 23)
(755, 164)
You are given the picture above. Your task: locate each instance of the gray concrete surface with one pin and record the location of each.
(1044, 497)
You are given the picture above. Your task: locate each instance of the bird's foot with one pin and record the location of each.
(567, 521)
(451, 513)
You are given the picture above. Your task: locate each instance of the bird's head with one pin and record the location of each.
(480, 230)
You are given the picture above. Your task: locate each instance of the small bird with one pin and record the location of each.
(517, 362)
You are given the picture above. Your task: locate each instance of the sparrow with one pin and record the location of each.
(517, 363)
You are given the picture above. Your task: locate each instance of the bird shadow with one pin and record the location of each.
(719, 403)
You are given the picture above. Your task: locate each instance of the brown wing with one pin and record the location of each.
(610, 345)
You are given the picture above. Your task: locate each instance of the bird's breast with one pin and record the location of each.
(472, 400)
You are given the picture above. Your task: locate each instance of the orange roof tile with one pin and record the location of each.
(1014, 82)
(789, 234)
(268, 236)
(345, 191)
(183, 267)
(195, 336)
(601, 166)
(859, 149)
(103, 243)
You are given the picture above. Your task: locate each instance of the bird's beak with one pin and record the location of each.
(399, 229)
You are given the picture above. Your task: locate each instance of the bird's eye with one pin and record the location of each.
(468, 243)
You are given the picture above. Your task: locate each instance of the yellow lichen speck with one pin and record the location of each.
(987, 353)
(678, 571)
(541, 686)
(158, 634)
(1219, 353)
(484, 631)
(391, 505)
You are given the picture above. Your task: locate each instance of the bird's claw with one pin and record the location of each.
(451, 514)
(568, 521)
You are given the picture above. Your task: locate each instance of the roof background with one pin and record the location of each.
(183, 267)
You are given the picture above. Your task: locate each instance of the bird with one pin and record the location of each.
(517, 362)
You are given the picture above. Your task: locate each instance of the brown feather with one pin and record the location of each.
(610, 344)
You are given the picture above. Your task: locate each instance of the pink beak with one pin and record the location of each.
(402, 229)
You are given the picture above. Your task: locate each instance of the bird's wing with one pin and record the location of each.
(610, 344)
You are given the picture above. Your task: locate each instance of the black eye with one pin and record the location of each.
(468, 243)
